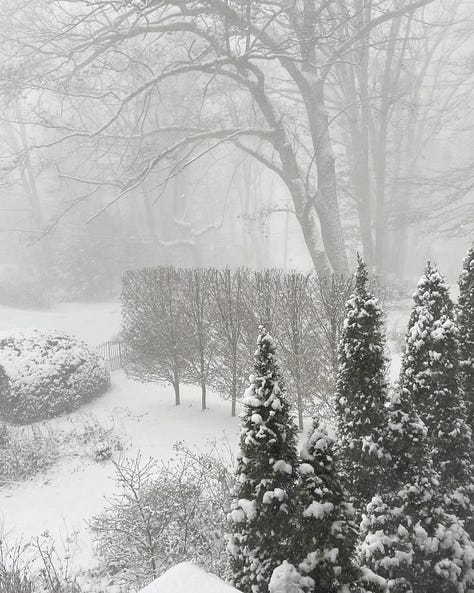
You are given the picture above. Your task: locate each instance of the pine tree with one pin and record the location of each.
(361, 390)
(326, 533)
(465, 320)
(266, 468)
(410, 544)
(430, 374)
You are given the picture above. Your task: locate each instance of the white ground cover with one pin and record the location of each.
(92, 322)
(62, 500)
(66, 497)
(184, 578)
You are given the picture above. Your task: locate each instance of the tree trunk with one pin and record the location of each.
(318, 211)
(177, 396)
(203, 396)
(326, 202)
(299, 406)
(233, 397)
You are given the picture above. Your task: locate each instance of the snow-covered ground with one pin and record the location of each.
(62, 500)
(73, 491)
(91, 322)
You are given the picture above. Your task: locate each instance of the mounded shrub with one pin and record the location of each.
(50, 373)
(4, 387)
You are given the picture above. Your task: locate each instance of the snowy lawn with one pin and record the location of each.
(92, 322)
(62, 500)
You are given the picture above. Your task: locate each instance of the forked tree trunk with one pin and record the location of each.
(325, 201)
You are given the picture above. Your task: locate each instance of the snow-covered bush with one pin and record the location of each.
(99, 441)
(164, 514)
(4, 386)
(50, 373)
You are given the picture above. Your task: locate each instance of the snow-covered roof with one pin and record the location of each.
(186, 577)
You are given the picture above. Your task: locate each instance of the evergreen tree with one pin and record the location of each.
(465, 321)
(430, 374)
(410, 544)
(361, 390)
(326, 533)
(266, 468)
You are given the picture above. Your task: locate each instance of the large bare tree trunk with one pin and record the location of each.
(326, 203)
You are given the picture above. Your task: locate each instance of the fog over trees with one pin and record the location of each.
(236, 296)
(220, 132)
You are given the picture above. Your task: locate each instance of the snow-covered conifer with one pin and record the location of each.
(465, 321)
(361, 390)
(410, 543)
(430, 374)
(287, 579)
(326, 534)
(266, 469)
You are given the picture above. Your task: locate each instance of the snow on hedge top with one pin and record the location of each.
(32, 354)
(186, 577)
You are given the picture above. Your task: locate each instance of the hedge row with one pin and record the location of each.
(199, 326)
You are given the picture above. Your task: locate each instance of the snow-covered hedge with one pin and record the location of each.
(4, 384)
(49, 372)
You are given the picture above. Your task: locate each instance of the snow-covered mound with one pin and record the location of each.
(49, 373)
(186, 577)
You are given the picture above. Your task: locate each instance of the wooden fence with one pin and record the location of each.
(113, 353)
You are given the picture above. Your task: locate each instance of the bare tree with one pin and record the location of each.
(200, 331)
(260, 74)
(153, 326)
(233, 321)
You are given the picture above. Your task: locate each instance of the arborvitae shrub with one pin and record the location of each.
(261, 535)
(465, 320)
(325, 530)
(361, 391)
(409, 542)
(430, 375)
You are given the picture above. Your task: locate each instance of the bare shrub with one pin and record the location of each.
(99, 441)
(26, 451)
(164, 514)
(15, 569)
(35, 566)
